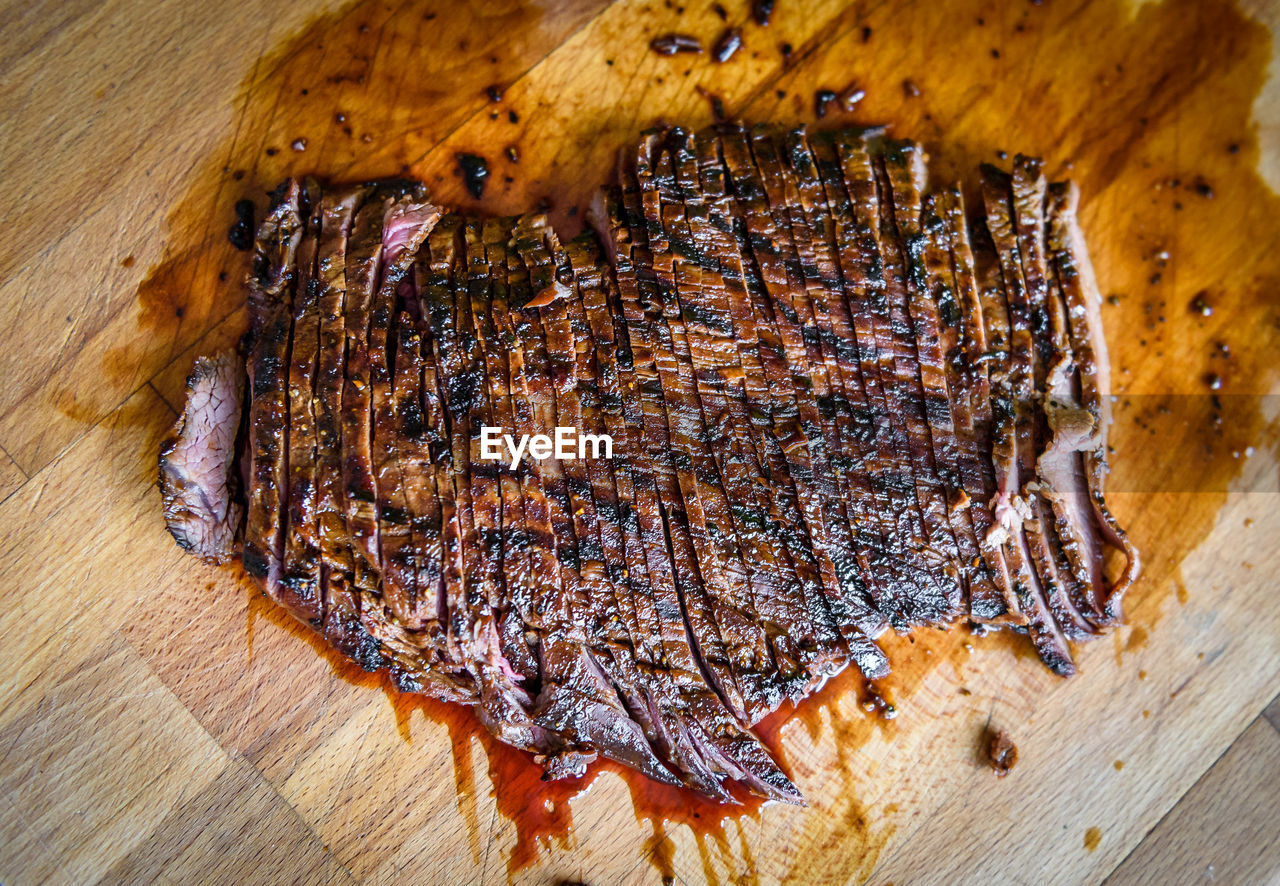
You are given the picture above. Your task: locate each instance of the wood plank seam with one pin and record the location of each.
(1272, 712)
(236, 757)
(1158, 822)
(176, 408)
(479, 112)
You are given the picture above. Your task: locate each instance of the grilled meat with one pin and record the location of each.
(835, 406)
(198, 482)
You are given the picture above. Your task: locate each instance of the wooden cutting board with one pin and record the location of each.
(160, 721)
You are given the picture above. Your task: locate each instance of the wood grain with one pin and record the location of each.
(162, 721)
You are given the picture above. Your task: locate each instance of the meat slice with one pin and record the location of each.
(834, 637)
(198, 480)
(706, 334)
(710, 525)
(518, 616)
(643, 686)
(476, 622)
(1009, 375)
(660, 645)
(967, 342)
(406, 225)
(271, 286)
(1054, 365)
(913, 589)
(934, 309)
(341, 623)
(434, 280)
(899, 171)
(420, 625)
(301, 562)
(1075, 280)
(408, 513)
(699, 735)
(855, 427)
(860, 419)
(582, 692)
(792, 408)
(364, 268)
(669, 545)
(796, 287)
(1029, 387)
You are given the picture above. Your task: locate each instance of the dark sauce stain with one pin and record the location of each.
(241, 232)
(475, 172)
(363, 118)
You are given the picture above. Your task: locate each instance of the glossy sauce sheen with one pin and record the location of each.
(1163, 151)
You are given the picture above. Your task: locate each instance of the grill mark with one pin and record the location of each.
(646, 413)
(710, 520)
(900, 270)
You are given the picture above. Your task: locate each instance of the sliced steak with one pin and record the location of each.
(1075, 279)
(301, 566)
(271, 285)
(969, 356)
(832, 406)
(198, 480)
(582, 691)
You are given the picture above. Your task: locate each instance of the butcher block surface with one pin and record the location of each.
(161, 721)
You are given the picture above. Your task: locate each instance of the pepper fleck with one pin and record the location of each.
(670, 44)
(729, 43)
